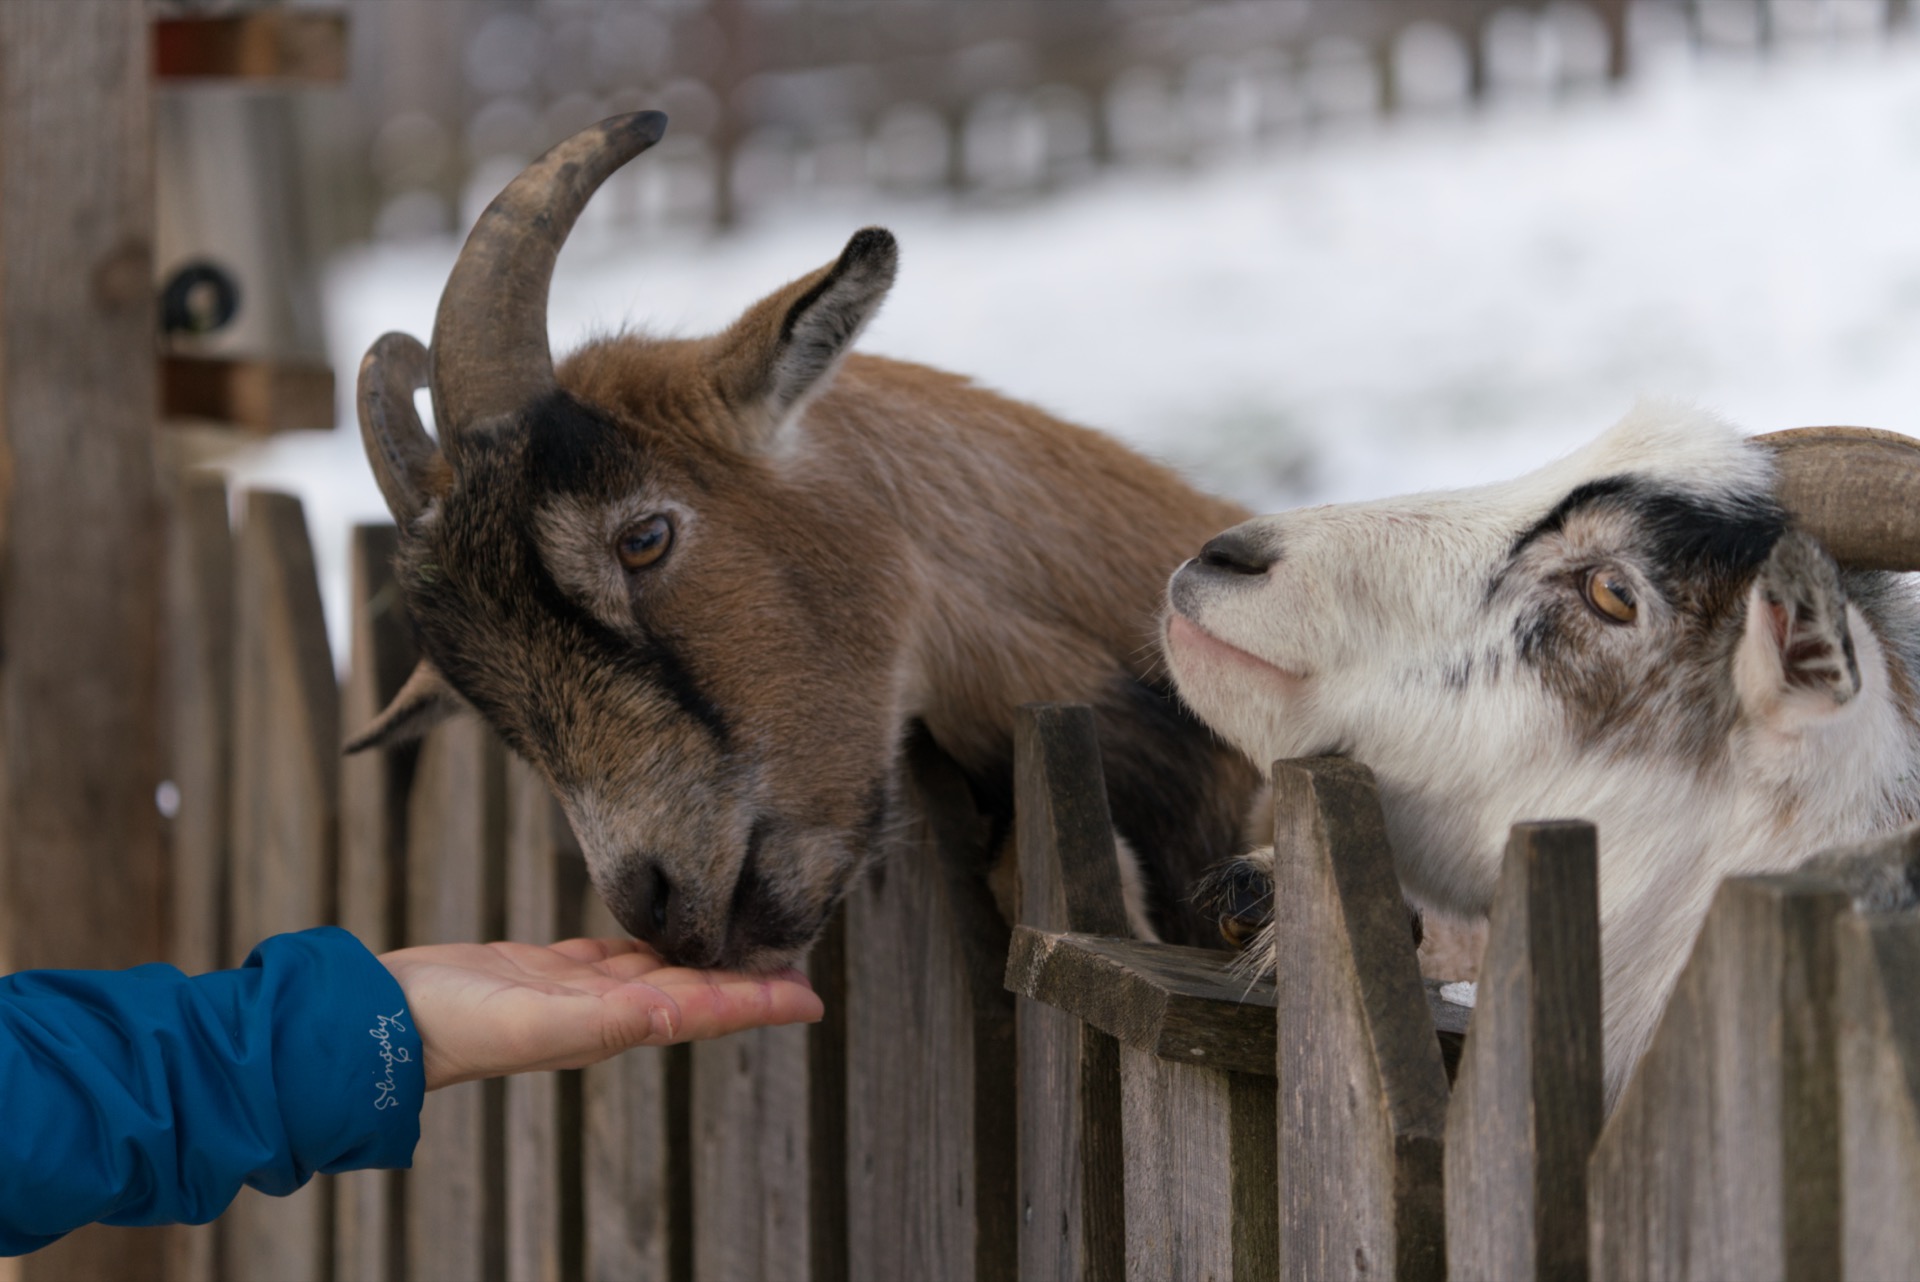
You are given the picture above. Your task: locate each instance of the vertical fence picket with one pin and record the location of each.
(545, 882)
(368, 1233)
(1527, 1105)
(1363, 1093)
(1879, 1064)
(931, 1144)
(455, 1217)
(198, 709)
(286, 791)
(1721, 1159)
(750, 1156)
(1072, 1222)
(636, 1171)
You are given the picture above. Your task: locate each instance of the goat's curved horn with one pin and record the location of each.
(490, 354)
(398, 447)
(1855, 489)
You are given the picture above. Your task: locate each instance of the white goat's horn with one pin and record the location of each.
(1856, 489)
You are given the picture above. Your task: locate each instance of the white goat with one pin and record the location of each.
(1648, 634)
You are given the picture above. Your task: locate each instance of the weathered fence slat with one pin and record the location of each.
(751, 1169)
(930, 1094)
(198, 711)
(545, 882)
(369, 1239)
(286, 788)
(1363, 1093)
(456, 838)
(1527, 1104)
(1879, 1065)
(1072, 1216)
(1721, 1159)
(636, 1170)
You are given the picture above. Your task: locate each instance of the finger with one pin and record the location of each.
(729, 1004)
(599, 950)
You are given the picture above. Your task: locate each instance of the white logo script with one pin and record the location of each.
(386, 1089)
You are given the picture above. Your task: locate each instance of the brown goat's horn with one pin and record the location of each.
(490, 354)
(1855, 489)
(398, 447)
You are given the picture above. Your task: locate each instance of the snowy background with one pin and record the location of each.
(1415, 303)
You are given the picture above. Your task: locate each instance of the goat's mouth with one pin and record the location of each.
(1189, 645)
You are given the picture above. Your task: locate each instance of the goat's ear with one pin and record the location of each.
(422, 703)
(784, 350)
(1795, 662)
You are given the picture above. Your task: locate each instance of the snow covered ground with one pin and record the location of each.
(1428, 302)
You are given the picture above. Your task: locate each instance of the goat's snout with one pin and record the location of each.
(1238, 551)
(652, 912)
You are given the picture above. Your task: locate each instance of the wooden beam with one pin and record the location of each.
(1363, 1092)
(1880, 1094)
(1072, 1207)
(1527, 1105)
(267, 44)
(263, 396)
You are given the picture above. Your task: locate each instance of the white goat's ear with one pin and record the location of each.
(1795, 661)
(784, 350)
(422, 703)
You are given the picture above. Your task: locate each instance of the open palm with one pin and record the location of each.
(484, 1010)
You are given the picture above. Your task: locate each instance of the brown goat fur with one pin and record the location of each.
(856, 545)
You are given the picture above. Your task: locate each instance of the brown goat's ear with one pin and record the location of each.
(786, 347)
(421, 704)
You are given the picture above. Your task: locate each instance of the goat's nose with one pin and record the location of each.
(1237, 552)
(653, 911)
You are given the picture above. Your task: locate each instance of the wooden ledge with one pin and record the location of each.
(269, 44)
(260, 395)
(1177, 1003)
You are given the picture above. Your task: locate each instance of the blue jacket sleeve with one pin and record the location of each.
(144, 1097)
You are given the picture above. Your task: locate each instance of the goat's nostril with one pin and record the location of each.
(657, 901)
(1235, 553)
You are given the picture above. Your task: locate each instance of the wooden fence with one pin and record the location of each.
(1048, 1101)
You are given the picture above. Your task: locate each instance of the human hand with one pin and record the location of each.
(485, 1010)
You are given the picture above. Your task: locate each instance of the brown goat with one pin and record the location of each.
(707, 586)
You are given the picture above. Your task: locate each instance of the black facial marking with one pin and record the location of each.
(757, 919)
(569, 447)
(1686, 534)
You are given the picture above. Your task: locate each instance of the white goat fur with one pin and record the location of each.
(1395, 632)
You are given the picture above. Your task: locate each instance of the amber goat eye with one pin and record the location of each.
(644, 543)
(1609, 595)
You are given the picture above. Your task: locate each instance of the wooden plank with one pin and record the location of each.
(369, 1210)
(1721, 1159)
(1200, 1175)
(1363, 1093)
(827, 1106)
(1879, 1066)
(1527, 1104)
(931, 1149)
(455, 1193)
(1072, 1223)
(637, 1172)
(261, 395)
(198, 710)
(286, 789)
(266, 44)
(750, 1156)
(546, 879)
(81, 855)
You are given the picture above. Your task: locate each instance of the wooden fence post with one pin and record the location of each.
(455, 1193)
(81, 856)
(1363, 1092)
(197, 706)
(636, 1164)
(1879, 1018)
(1072, 1217)
(1721, 1159)
(1527, 1104)
(931, 1154)
(752, 1156)
(286, 792)
(369, 1233)
(546, 880)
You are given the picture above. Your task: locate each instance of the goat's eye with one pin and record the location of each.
(643, 544)
(1610, 596)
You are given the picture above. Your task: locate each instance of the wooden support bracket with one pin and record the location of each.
(262, 396)
(299, 45)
